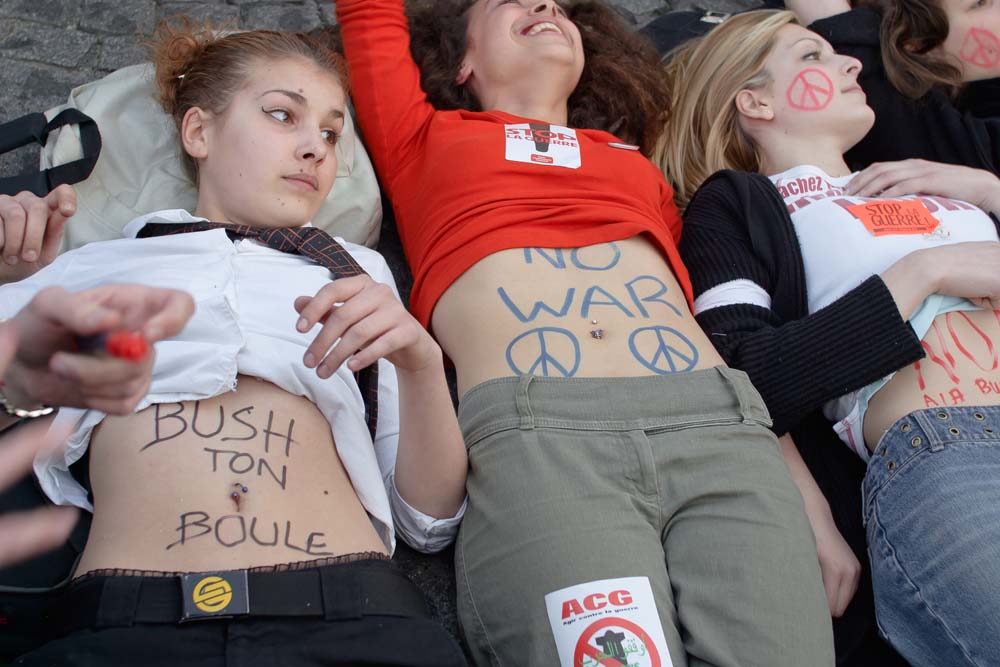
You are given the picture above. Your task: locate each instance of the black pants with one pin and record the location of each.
(117, 630)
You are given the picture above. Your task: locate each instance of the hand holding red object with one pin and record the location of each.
(122, 343)
(51, 367)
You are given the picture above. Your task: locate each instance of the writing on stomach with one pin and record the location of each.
(604, 310)
(163, 481)
(961, 367)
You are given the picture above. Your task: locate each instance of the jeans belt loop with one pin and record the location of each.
(119, 600)
(524, 404)
(927, 426)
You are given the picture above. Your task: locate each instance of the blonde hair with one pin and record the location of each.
(702, 134)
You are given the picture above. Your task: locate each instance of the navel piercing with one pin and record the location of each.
(596, 334)
(235, 495)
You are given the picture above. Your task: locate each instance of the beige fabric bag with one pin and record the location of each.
(140, 168)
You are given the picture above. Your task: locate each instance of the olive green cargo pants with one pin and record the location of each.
(675, 478)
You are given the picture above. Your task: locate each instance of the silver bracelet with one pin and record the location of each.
(20, 413)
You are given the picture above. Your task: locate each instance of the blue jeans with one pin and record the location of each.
(932, 512)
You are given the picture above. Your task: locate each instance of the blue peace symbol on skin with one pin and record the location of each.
(545, 351)
(665, 350)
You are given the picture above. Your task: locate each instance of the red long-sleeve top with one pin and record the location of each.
(456, 196)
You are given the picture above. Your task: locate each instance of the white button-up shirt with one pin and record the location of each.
(244, 322)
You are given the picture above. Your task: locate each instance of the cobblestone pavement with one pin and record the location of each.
(49, 46)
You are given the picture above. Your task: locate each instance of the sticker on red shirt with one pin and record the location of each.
(608, 623)
(544, 144)
(895, 216)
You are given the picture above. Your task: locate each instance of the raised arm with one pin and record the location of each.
(392, 109)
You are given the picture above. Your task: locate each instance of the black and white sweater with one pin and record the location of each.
(738, 228)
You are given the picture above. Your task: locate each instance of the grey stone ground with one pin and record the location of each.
(49, 46)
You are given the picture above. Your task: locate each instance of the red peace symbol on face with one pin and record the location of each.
(585, 648)
(981, 47)
(811, 90)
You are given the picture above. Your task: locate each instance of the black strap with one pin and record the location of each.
(348, 590)
(35, 128)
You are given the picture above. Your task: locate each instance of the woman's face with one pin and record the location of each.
(813, 90)
(974, 36)
(509, 39)
(268, 160)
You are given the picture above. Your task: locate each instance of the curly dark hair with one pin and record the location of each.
(622, 90)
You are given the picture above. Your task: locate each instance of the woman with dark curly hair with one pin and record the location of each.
(626, 497)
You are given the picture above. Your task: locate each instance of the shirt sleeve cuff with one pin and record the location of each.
(421, 531)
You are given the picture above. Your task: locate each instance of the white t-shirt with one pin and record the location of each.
(846, 239)
(244, 322)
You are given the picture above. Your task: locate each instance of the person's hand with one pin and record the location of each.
(839, 566)
(370, 323)
(810, 11)
(31, 230)
(967, 270)
(47, 369)
(920, 177)
(24, 534)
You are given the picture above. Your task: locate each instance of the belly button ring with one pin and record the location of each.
(235, 495)
(596, 334)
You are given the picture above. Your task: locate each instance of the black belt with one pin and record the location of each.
(348, 590)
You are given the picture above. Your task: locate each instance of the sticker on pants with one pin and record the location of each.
(540, 143)
(608, 623)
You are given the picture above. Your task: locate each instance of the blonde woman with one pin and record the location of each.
(870, 298)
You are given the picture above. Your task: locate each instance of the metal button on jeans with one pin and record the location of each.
(916, 442)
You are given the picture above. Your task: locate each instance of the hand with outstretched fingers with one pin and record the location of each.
(921, 177)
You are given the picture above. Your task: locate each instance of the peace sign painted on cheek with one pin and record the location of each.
(811, 90)
(981, 47)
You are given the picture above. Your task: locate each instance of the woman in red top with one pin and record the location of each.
(626, 497)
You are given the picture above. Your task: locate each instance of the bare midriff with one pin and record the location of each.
(605, 310)
(164, 480)
(961, 368)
